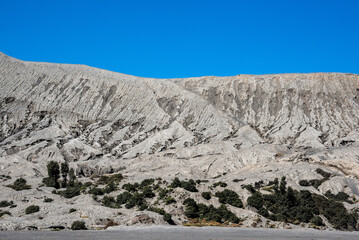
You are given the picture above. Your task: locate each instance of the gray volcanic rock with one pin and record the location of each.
(252, 127)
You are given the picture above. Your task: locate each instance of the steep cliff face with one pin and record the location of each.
(207, 127)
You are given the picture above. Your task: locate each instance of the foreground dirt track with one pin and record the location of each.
(180, 233)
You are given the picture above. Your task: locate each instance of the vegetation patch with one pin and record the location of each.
(189, 185)
(288, 205)
(206, 195)
(2, 213)
(230, 197)
(6, 204)
(78, 225)
(48, 199)
(19, 185)
(209, 213)
(32, 209)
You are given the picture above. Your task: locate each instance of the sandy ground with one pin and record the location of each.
(176, 233)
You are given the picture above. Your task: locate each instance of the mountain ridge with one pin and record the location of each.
(250, 127)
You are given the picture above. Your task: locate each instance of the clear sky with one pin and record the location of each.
(185, 38)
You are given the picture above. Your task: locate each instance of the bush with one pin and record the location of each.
(206, 195)
(325, 174)
(175, 183)
(19, 185)
(110, 188)
(123, 198)
(147, 192)
(131, 187)
(340, 196)
(71, 192)
(169, 200)
(249, 188)
(147, 182)
(78, 225)
(210, 213)
(72, 210)
(96, 191)
(137, 199)
(157, 210)
(6, 204)
(2, 213)
(53, 171)
(317, 221)
(110, 202)
(258, 185)
(230, 197)
(304, 183)
(256, 201)
(48, 199)
(288, 205)
(163, 193)
(32, 209)
(189, 186)
(115, 178)
(221, 184)
(168, 218)
(64, 172)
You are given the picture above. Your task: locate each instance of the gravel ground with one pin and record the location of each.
(183, 233)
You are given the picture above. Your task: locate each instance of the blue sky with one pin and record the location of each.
(185, 38)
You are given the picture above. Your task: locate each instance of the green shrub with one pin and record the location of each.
(189, 186)
(316, 182)
(32, 209)
(210, 213)
(157, 210)
(123, 198)
(221, 184)
(230, 197)
(96, 191)
(325, 174)
(64, 172)
(256, 201)
(131, 187)
(78, 225)
(288, 205)
(72, 210)
(48, 199)
(2, 213)
(115, 178)
(206, 195)
(71, 191)
(163, 193)
(147, 182)
(19, 185)
(147, 192)
(137, 199)
(304, 183)
(110, 187)
(317, 221)
(6, 204)
(175, 183)
(110, 202)
(168, 218)
(53, 171)
(258, 185)
(340, 196)
(169, 200)
(249, 188)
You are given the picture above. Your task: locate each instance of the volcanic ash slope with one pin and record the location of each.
(246, 127)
